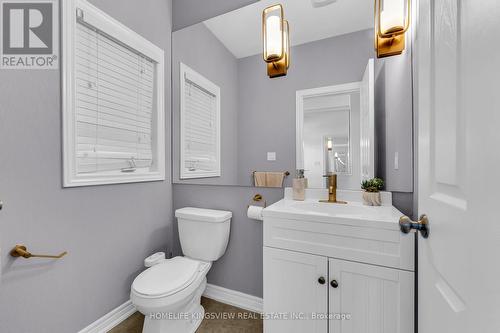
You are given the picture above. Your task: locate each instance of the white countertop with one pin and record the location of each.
(353, 213)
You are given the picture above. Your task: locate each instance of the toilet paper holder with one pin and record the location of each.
(22, 251)
(258, 198)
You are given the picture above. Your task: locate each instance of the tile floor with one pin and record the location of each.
(243, 322)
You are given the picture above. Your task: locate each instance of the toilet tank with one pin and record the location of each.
(203, 233)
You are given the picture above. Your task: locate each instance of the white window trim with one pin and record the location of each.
(118, 31)
(198, 79)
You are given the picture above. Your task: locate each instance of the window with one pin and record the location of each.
(113, 108)
(200, 126)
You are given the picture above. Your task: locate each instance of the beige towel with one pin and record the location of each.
(275, 179)
(259, 178)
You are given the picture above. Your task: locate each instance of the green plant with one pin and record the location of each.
(373, 185)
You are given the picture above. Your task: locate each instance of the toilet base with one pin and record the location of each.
(188, 325)
(186, 319)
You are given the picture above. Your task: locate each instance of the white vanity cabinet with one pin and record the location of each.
(377, 299)
(327, 273)
(292, 291)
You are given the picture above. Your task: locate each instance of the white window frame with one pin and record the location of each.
(114, 29)
(198, 79)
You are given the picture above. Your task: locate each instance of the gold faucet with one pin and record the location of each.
(332, 189)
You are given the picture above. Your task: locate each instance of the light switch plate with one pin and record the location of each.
(396, 161)
(271, 156)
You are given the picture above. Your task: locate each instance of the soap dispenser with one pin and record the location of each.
(299, 186)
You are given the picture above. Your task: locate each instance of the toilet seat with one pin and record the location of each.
(168, 278)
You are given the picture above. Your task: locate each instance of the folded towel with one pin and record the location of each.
(275, 179)
(259, 178)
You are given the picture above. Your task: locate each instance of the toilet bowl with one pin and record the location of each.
(169, 293)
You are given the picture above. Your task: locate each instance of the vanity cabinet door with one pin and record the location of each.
(377, 299)
(295, 287)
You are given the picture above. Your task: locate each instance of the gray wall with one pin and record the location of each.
(188, 12)
(241, 266)
(266, 119)
(198, 48)
(394, 121)
(394, 125)
(107, 230)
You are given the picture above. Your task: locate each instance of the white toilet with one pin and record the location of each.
(169, 293)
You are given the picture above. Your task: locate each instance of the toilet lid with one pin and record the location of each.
(166, 278)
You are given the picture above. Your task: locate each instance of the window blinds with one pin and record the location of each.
(114, 94)
(200, 129)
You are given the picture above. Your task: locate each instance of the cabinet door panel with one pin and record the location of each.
(377, 299)
(291, 288)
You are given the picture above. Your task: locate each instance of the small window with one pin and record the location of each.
(113, 112)
(200, 126)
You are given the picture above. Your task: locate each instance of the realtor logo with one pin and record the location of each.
(29, 32)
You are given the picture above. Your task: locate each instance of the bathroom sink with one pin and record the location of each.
(349, 210)
(352, 213)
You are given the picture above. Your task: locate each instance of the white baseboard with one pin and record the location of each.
(110, 320)
(234, 298)
(220, 294)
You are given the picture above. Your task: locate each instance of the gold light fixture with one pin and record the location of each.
(391, 24)
(276, 41)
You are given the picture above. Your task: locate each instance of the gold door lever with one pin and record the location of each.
(21, 251)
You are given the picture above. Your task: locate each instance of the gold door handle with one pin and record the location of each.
(21, 251)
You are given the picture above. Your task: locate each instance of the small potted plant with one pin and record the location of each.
(371, 193)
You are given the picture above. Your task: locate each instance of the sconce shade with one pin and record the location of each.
(273, 26)
(392, 16)
(276, 41)
(391, 24)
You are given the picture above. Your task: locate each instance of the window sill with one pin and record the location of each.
(107, 179)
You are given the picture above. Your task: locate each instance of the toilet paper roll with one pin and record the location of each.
(255, 213)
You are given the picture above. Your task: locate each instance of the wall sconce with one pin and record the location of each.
(391, 24)
(276, 41)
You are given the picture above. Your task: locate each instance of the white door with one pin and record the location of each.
(458, 109)
(295, 287)
(376, 299)
(367, 122)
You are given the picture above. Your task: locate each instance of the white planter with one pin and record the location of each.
(372, 198)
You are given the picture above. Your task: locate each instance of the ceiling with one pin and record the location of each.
(240, 30)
